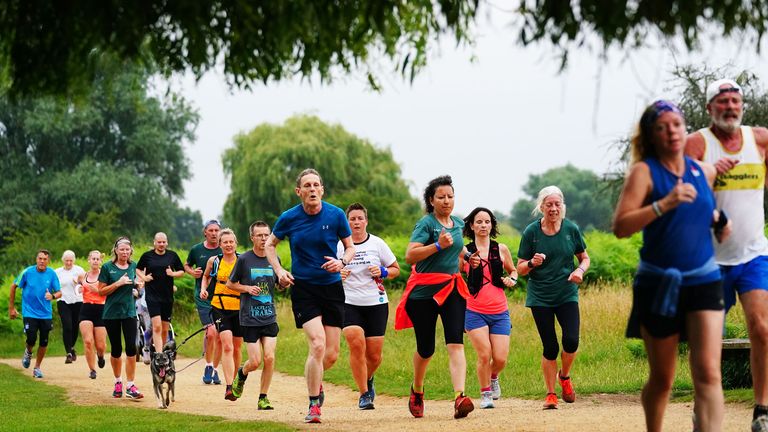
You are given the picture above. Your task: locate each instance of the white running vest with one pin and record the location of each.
(740, 193)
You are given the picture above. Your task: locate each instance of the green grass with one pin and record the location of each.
(31, 405)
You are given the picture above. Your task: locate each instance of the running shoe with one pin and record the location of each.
(133, 393)
(486, 400)
(229, 395)
(68, 360)
(760, 424)
(551, 401)
(118, 392)
(101, 362)
(74, 355)
(569, 394)
(313, 416)
(416, 404)
(371, 389)
(25, 361)
(238, 384)
(208, 375)
(92, 374)
(462, 406)
(264, 404)
(321, 396)
(37, 373)
(145, 356)
(495, 388)
(215, 377)
(366, 402)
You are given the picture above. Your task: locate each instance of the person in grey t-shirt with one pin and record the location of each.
(255, 278)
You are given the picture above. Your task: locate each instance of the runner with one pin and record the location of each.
(434, 288)
(39, 286)
(314, 227)
(91, 324)
(366, 307)
(739, 155)
(117, 281)
(196, 261)
(546, 252)
(157, 268)
(255, 279)
(487, 319)
(677, 292)
(70, 302)
(225, 304)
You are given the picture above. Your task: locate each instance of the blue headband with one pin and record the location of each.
(656, 110)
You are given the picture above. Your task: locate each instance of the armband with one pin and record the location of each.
(437, 246)
(384, 272)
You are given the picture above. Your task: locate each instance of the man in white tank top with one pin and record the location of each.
(739, 154)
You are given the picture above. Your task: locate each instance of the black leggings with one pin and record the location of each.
(128, 327)
(568, 316)
(70, 320)
(423, 314)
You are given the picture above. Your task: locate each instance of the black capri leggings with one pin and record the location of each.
(423, 314)
(70, 319)
(128, 327)
(568, 316)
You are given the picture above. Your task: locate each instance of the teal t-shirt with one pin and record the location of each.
(198, 257)
(427, 231)
(120, 304)
(548, 284)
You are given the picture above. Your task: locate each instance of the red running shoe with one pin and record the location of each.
(416, 404)
(462, 406)
(551, 401)
(569, 394)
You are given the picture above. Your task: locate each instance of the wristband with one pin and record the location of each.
(583, 270)
(530, 263)
(514, 279)
(656, 208)
(437, 246)
(384, 272)
(467, 256)
(344, 262)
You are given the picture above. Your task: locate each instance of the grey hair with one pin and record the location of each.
(68, 254)
(543, 194)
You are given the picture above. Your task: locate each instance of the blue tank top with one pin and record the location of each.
(680, 238)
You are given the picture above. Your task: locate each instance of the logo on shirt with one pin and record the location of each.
(325, 227)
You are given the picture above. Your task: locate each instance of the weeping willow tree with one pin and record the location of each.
(263, 165)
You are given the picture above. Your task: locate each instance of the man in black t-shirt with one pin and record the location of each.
(255, 279)
(158, 267)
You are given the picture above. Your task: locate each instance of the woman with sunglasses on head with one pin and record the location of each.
(117, 282)
(436, 288)
(677, 293)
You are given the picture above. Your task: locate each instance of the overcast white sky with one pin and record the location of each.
(489, 115)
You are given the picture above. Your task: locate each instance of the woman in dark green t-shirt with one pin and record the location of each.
(116, 281)
(546, 252)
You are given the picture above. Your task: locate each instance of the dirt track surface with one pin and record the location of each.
(340, 413)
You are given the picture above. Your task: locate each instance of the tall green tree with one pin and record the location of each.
(587, 204)
(263, 165)
(117, 147)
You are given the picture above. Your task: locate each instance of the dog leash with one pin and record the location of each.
(217, 322)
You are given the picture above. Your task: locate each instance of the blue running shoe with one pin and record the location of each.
(37, 373)
(216, 379)
(365, 403)
(371, 389)
(26, 359)
(208, 375)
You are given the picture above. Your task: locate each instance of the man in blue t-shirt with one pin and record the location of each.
(314, 228)
(40, 286)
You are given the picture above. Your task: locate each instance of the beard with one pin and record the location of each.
(727, 125)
